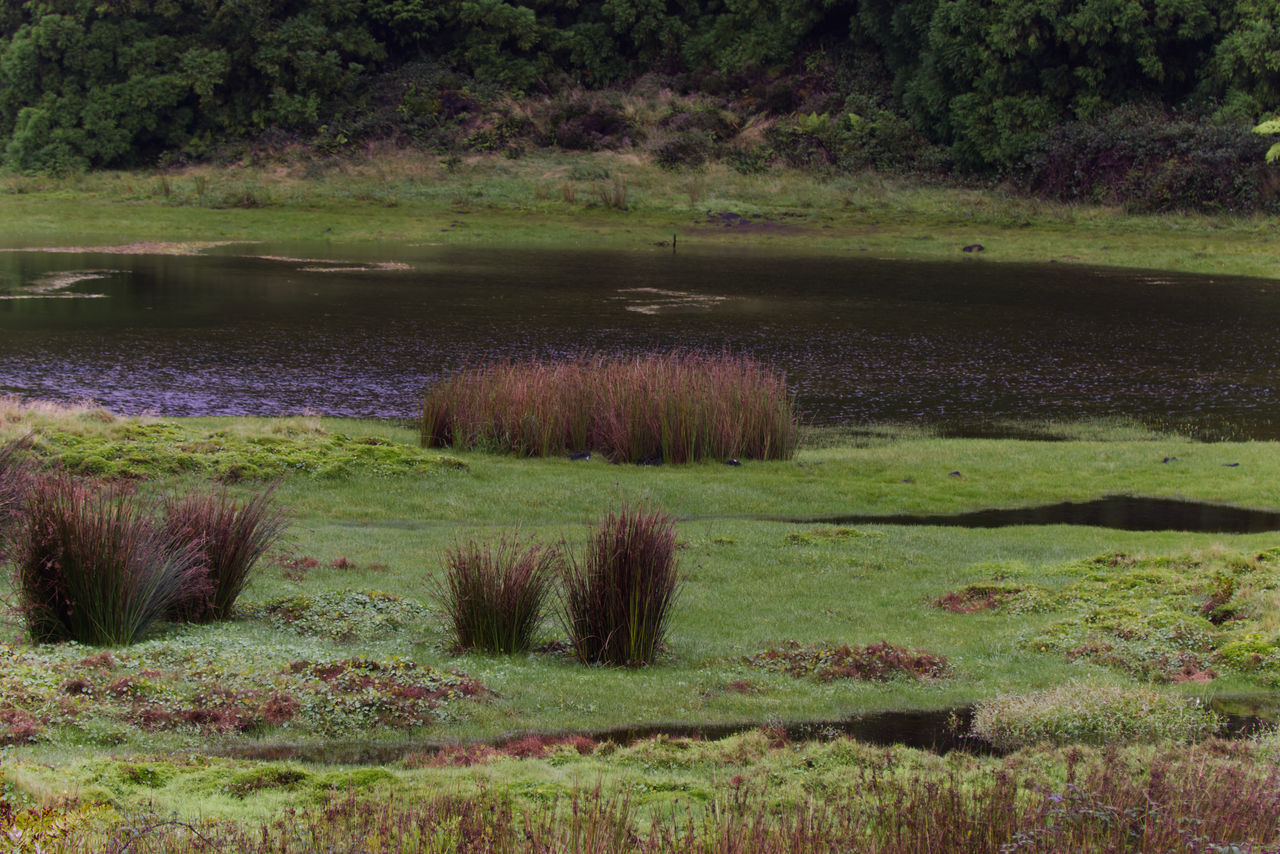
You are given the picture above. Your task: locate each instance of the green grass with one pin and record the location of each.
(408, 197)
(347, 603)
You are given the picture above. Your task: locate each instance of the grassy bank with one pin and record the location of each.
(338, 639)
(610, 200)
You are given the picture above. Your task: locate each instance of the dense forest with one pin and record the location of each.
(1147, 101)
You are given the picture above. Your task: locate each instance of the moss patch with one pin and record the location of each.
(140, 449)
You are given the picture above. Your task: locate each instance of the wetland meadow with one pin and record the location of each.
(1007, 580)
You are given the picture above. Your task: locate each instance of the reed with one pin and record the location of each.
(230, 538)
(1109, 804)
(494, 594)
(91, 566)
(16, 478)
(617, 600)
(676, 407)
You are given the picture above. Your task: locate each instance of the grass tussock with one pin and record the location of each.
(1080, 713)
(91, 566)
(16, 472)
(676, 408)
(618, 598)
(230, 538)
(493, 595)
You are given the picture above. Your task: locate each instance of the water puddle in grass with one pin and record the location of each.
(939, 731)
(1122, 512)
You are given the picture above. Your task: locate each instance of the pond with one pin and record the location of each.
(268, 329)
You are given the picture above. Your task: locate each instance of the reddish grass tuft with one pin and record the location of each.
(677, 407)
(90, 566)
(230, 538)
(618, 599)
(493, 595)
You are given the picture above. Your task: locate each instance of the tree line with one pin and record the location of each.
(99, 83)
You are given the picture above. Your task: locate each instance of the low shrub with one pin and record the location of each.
(1149, 161)
(92, 566)
(1079, 712)
(676, 407)
(618, 598)
(493, 594)
(230, 538)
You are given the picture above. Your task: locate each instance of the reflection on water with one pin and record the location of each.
(270, 329)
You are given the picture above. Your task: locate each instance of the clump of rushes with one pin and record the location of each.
(230, 538)
(92, 567)
(16, 474)
(617, 600)
(493, 594)
(676, 407)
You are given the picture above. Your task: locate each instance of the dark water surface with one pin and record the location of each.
(958, 344)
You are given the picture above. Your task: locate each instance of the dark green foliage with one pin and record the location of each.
(1148, 161)
(493, 594)
(618, 598)
(857, 83)
(230, 538)
(93, 568)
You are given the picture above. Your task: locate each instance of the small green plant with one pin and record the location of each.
(230, 538)
(92, 567)
(493, 594)
(618, 598)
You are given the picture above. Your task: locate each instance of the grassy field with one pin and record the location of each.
(341, 627)
(608, 200)
(336, 692)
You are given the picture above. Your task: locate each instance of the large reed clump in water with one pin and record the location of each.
(676, 408)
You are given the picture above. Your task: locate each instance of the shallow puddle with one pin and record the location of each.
(940, 731)
(1122, 512)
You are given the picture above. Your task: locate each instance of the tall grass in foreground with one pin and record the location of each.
(92, 566)
(618, 598)
(1203, 804)
(229, 538)
(676, 407)
(494, 594)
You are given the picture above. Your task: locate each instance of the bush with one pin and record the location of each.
(617, 600)
(494, 594)
(589, 122)
(93, 568)
(679, 407)
(1079, 713)
(1149, 161)
(229, 539)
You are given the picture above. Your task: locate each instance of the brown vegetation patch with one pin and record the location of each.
(976, 597)
(878, 661)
